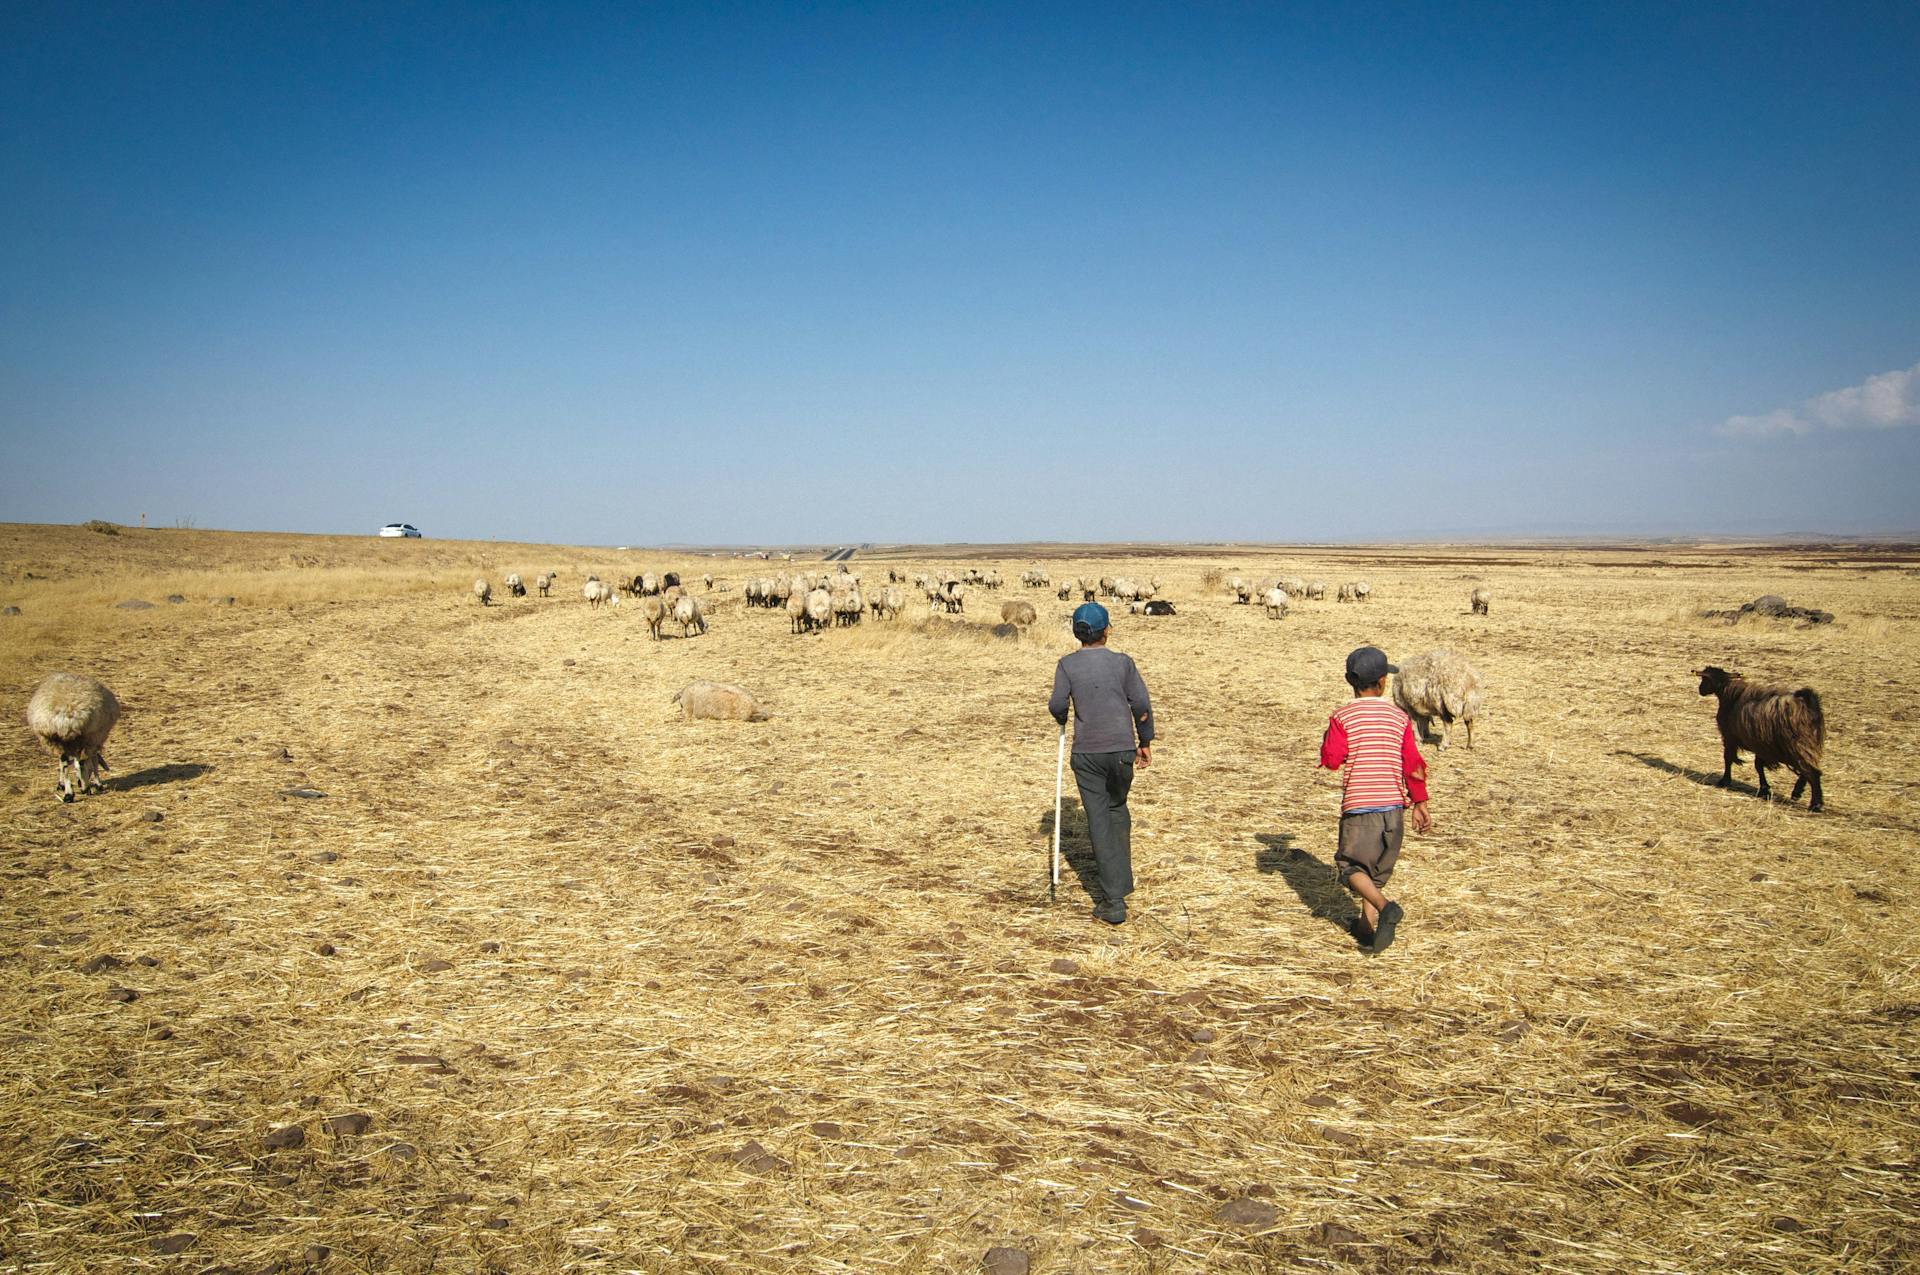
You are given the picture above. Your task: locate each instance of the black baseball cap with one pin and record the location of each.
(1367, 666)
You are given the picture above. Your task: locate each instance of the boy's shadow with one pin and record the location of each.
(1076, 845)
(1310, 877)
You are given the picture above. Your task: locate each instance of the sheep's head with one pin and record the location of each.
(1713, 680)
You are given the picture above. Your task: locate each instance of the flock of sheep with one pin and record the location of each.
(74, 714)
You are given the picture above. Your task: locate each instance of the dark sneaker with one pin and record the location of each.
(1112, 914)
(1390, 916)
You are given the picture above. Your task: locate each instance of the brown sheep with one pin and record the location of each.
(716, 701)
(1018, 613)
(1778, 726)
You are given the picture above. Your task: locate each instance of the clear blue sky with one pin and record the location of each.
(634, 273)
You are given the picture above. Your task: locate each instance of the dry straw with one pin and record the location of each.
(549, 980)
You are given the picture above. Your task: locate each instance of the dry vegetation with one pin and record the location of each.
(548, 979)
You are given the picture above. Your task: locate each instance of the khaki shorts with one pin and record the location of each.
(1369, 843)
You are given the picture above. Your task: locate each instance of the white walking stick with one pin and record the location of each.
(1059, 771)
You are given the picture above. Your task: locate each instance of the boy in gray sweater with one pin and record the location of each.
(1110, 707)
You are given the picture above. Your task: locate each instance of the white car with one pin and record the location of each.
(397, 529)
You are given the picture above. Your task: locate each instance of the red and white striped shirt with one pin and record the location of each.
(1375, 741)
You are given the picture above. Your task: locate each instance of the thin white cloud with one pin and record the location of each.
(1887, 401)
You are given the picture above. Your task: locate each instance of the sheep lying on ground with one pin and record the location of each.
(1018, 613)
(1480, 600)
(1439, 686)
(73, 716)
(1276, 602)
(1159, 606)
(1778, 726)
(514, 586)
(719, 702)
(483, 591)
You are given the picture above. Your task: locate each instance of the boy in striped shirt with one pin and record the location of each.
(1385, 774)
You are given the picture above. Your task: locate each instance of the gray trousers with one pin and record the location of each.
(1103, 780)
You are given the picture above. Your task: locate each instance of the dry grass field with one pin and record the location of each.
(549, 980)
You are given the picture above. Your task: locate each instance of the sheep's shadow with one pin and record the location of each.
(1310, 877)
(1076, 844)
(1706, 779)
(178, 772)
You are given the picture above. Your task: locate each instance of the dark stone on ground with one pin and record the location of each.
(307, 793)
(148, 961)
(316, 1254)
(176, 599)
(104, 961)
(1332, 1233)
(133, 604)
(490, 946)
(751, 1155)
(326, 856)
(402, 1151)
(285, 1138)
(825, 1129)
(1062, 965)
(350, 1125)
(178, 1242)
(1254, 1215)
(123, 995)
(324, 949)
(1773, 607)
(420, 1060)
(10, 611)
(436, 965)
(152, 816)
(1000, 1260)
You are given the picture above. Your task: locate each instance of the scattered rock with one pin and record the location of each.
(134, 604)
(148, 961)
(178, 1242)
(285, 1138)
(826, 1129)
(122, 995)
(104, 961)
(1147, 1238)
(1339, 1137)
(1787, 1225)
(307, 793)
(316, 1254)
(161, 1033)
(1691, 1113)
(420, 1060)
(436, 965)
(326, 856)
(751, 1155)
(1332, 1233)
(1773, 607)
(9, 610)
(490, 946)
(351, 1125)
(324, 949)
(1000, 1260)
(496, 1224)
(566, 663)
(1201, 1035)
(226, 601)
(723, 842)
(1512, 1031)
(176, 599)
(1252, 1215)
(152, 816)
(1319, 1100)
(1062, 965)
(401, 1151)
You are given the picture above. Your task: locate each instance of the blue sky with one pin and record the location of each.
(630, 274)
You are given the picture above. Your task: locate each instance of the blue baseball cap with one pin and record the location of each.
(1089, 619)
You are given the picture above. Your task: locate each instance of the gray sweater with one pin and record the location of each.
(1109, 700)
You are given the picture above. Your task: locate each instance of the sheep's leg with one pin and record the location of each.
(1799, 786)
(1729, 755)
(63, 786)
(1819, 801)
(1766, 793)
(1469, 732)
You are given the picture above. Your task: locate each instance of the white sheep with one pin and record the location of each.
(819, 609)
(1439, 686)
(654, 611)
(686, 613)
(1317, 590)
(1019, 614)
(514, 585)
(543, 582)
(483, 591)
(1276, 603)
(1480, 600)
(73, 716)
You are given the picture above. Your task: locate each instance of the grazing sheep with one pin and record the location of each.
(515, 587)
(1346, 594)
(848, 606)
(654, 611)
(708, 581)
(1276, 603)
(1021, 614)
(1778, 726)
(595, 592)
(686, 613)
(1242, 593)
(1438, 686)
(73, 716)
(1159, 607)
(797, 612)
(1480, 600)
(719, 702)
(1317, 590)
(1064, 592)
(819, 609)
(1234, 586)
(649, 583)
(889, 602)
(1362, 590)
(483, 591)
(543, 583)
